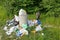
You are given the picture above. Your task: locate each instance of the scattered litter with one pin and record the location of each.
(10, 31)
(21, 32)
(19, 24)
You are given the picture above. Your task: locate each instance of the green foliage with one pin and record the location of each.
(47, 7)
(51, 7)
(3, 15)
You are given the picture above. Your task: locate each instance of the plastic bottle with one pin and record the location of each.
(22, 17)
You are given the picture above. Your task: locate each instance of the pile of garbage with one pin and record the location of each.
(20, 23)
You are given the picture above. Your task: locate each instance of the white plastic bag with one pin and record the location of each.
(38, 28)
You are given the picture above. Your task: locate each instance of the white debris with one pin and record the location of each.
(38, 28)
(16, 27)
(42, 33)
(5, 28)
(10, 31)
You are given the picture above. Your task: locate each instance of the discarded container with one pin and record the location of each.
(24, 26)
(22, 17)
